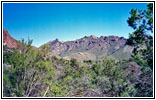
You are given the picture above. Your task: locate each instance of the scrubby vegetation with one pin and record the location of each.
(30, 72)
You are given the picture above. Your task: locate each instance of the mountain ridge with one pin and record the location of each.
(86, 48)
(91, 47)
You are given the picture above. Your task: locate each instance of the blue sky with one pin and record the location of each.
(45, 22)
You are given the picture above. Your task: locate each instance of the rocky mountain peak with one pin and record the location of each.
(93, 36)
(57, 40)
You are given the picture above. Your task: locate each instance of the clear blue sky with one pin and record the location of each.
(44, 22)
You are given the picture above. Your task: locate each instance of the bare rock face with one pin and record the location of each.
(92, 48)
(8, 40)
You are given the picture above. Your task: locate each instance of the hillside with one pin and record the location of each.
(92, 48)
(8, 40)
(29, 72)
(86, 48)
(106, 66)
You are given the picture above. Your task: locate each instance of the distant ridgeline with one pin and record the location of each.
(86, 48)
(92, 48)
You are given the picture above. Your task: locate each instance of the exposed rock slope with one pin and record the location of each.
(8, 40)
(92, 48)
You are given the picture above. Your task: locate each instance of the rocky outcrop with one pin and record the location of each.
(8, 40)
(92, 47)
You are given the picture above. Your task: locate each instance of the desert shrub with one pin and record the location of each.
(30, 72)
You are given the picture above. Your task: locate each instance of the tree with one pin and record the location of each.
(141, 39)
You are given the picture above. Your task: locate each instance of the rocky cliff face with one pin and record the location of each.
(8, 40)
(92, 48)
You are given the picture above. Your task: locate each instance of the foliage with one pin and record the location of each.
(142, 23)
(142, 40)
(28, 71)
(39, 75)
(32, 72)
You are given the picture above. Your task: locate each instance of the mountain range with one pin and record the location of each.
(86, 48)
(92, 48)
